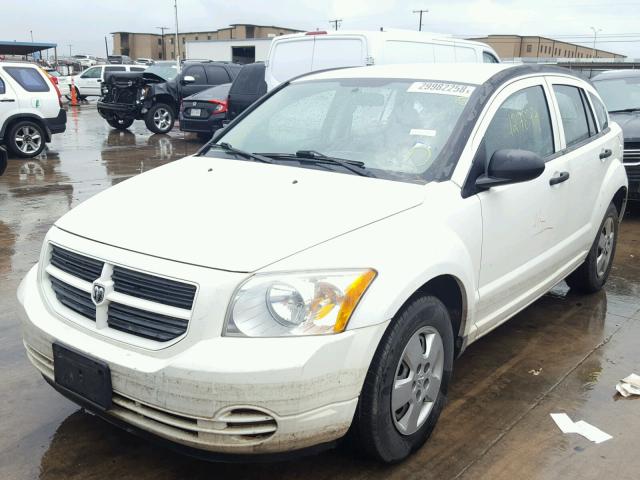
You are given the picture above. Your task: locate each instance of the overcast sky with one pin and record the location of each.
(84, 24)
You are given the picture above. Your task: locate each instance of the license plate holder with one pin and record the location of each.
(195, 112)
(83, 377)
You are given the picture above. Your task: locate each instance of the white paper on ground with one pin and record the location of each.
(629, 386)
(583, 428)
(633, 380)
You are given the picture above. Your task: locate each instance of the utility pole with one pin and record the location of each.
(595, 36)
(336, 23)
(106, 47)
(31, 32)
(177, 45)
(162, 29)
(69, 45)
(420, 21)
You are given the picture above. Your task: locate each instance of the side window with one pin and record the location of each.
(2, 89)
(601, 112)
(522, 122)
(114, 69)
(591, 120)
(197, 72)
(488, 58)
(92, 73)
(217, 75)
(137, 69)
(573, 113)
(28, 78)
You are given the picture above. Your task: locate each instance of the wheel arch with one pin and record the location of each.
(13, 119)
(168, 100)
(620, 201)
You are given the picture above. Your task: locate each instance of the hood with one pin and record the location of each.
(630, 124)
(129, 78)
(232, 214)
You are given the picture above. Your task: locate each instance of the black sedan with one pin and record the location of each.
(205, 111)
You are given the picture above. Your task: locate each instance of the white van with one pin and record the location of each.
(292, 55)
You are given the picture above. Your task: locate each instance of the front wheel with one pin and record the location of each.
(591, 276)
(160, 118)
(406, 386)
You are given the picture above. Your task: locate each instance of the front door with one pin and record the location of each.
(88, 82)
(524, 224)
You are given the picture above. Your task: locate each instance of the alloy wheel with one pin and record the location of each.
(162, 118)
(417, 381)
(605, 246)
(28, 139)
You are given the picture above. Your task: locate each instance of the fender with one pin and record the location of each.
(30, 116)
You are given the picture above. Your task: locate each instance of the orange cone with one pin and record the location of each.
(74, 97)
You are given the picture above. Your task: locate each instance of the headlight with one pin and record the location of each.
(291, 304)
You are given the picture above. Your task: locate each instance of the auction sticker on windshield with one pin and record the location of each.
(442, 88)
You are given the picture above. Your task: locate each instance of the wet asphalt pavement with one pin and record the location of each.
(565, 353)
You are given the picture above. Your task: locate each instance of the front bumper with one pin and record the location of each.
(121, 109)
(220, 394)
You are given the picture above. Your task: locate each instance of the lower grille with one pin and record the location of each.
(71, 297)
(144, 323)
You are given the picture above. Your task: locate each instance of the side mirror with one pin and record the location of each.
(3, 160)
(188, 79)
(511, 166)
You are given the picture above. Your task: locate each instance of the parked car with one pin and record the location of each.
(205, 111)
(89, 82)
(319, 265)
(145, 61)
(3, 160)
(119, 60)
(292, 55)
(620, 90)
(85, 60)
(151, 97)
(248, 87)
(30, 109)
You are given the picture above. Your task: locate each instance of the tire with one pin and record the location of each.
(26, 139)
(591, 276)
(120, 123)
(204, 137)
(160, 118)
(380, 432)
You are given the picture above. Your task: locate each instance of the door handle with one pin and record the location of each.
(561, 177)
(8, 100)
(605, 154)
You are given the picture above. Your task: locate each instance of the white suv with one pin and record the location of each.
(30, 109)
(320, 265)
(89, 82)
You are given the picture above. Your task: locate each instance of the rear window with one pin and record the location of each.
(28, 78)
(216, 75)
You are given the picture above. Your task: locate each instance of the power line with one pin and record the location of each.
(336, 23)
(420, 21)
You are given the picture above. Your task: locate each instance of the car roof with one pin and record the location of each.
(616, 74)
(18, 64)
(476, 73)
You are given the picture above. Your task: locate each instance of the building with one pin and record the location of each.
(162, 47)
(516, 46)
(242, 51)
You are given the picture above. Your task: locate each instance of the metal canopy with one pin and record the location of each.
(23, 48)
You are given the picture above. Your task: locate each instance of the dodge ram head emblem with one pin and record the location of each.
(98, 294)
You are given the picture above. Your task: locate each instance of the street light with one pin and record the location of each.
(595, 36)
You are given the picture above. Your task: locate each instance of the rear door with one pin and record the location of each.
(588, 149)
(35, 93)
(289, 58)
(248, 86)
(8, 99)
(335, 51)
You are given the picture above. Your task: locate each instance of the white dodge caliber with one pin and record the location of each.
(315, 270)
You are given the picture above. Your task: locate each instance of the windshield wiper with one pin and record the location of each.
(241, 153)
(311, 156)
(625, 110)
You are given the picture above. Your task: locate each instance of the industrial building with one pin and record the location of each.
(517, 46)
(161, 47)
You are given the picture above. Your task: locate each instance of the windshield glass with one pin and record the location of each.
(396, 128)
(619, 93)
(165, 70)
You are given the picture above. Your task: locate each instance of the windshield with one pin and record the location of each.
(165, 70)
(395, 128)
(620, 93)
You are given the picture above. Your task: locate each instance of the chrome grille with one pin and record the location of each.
(88, 269)
(141, 304)
(145, 324)
(77, 300)
(631, 152)
(155, 289)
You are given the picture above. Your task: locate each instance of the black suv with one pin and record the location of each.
(155, 94)
(620, 90)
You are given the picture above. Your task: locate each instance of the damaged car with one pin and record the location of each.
(320, 264)
(155, 94)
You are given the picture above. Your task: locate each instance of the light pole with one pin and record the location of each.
(175, 6)
(31, 32)
(595, 36)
